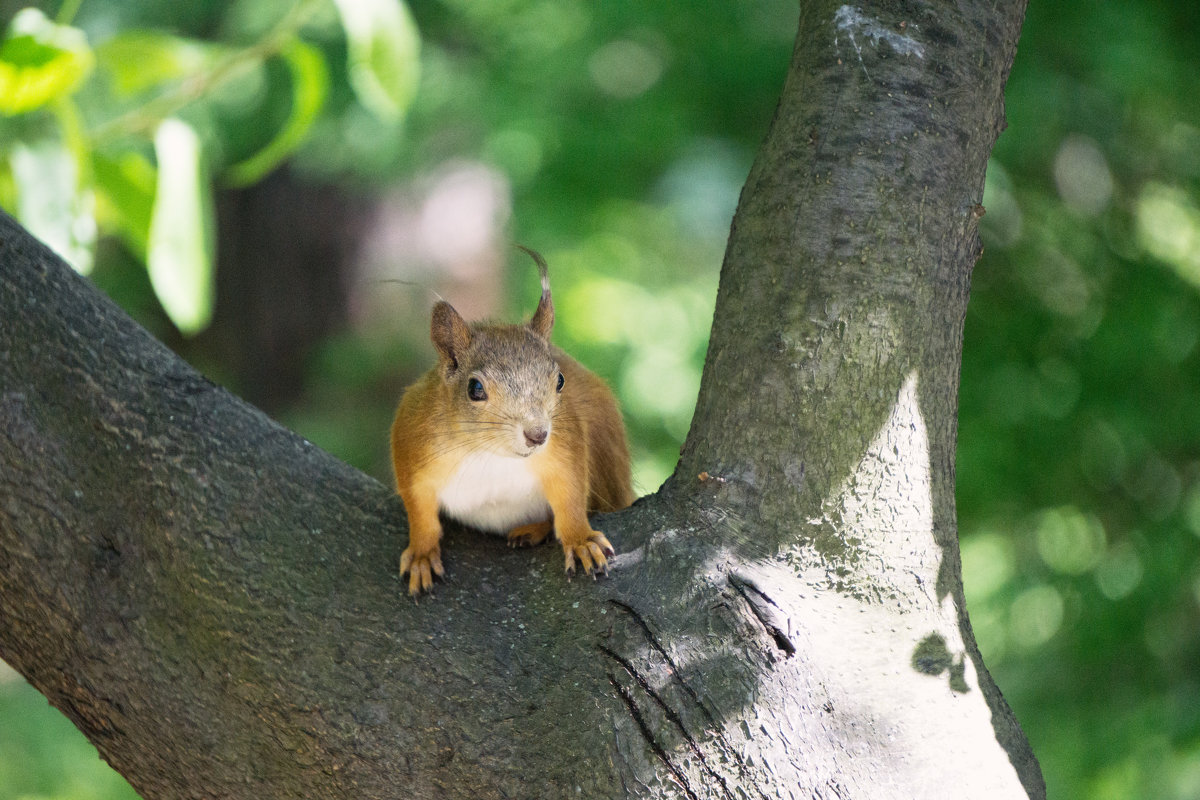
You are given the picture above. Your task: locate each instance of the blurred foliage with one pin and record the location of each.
(623, 132)
(1079, 433)
(111, 127)
(43, 756)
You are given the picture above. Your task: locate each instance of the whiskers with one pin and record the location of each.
(447, 437)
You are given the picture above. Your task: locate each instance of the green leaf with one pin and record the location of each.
(383, 54)
(40, 62)
(181, 246)
(310, 85)
(139, 60)
(50, 201)
(125, 187)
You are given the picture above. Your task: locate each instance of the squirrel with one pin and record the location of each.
(507, 434)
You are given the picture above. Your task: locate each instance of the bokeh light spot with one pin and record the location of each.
(1120, 572)
(1036, 615)
(988, 563)
(1068, 540)
(624, 68)
(1168, 227)
(1082, 176)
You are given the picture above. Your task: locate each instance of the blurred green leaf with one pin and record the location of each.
(50, 202)
(125, 197)
(383, 59)
(310, 86)
(40, 62)
(180, 252)
(137, 60)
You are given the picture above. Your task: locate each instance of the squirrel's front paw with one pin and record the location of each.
(591, 553)
(421, 567)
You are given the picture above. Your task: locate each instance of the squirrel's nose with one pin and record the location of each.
(536, 436)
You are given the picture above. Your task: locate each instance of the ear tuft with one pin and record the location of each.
(543, 318)
(449, 332)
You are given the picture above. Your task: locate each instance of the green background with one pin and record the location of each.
(615, 137)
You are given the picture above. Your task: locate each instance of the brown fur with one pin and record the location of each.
(583, 465)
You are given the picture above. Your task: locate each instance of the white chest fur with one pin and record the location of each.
(494, 493)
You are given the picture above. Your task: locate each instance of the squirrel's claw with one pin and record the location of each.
(421, 569)
(591, 554)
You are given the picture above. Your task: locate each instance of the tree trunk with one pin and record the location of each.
(283, 278)
(214, 601)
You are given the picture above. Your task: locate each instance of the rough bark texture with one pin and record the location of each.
(214, 601)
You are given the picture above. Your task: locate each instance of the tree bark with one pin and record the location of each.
(214, 601)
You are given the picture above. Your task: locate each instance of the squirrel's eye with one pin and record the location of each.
(561, 381)
(475, 390)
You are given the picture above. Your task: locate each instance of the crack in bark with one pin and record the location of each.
(636, 713)
(676, 677)
(764, 615)
(672, 716)
(657, 645)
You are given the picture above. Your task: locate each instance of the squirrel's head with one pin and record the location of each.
(503, 381)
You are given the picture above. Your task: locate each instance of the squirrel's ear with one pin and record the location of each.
(543, 318)
(449, 333)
